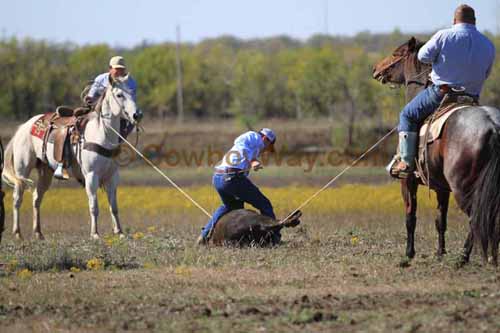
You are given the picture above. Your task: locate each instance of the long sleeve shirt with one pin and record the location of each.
(460, 56)
(246, 148)
(101, 82)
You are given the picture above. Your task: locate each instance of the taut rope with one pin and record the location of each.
(161, 173)
(340, 174)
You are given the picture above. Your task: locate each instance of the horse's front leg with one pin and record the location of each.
(17, 198)
(2, 212)
(91, 186)
(409, 188)
(443, 199)
(43, 184)
(111, 187)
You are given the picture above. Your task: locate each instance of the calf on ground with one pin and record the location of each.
(243, 227)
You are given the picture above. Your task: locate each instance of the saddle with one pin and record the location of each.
(63, 127)
(433, 125)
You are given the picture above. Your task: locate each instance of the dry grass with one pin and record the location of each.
(340, 270)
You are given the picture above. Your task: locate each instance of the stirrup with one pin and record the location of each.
(395, 172)
(61, 173)
(403, 173)
(391, 164)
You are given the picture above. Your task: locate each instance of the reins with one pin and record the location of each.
(414, 79)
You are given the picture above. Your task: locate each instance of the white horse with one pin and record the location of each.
(25, 152)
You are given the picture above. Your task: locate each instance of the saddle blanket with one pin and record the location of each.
(40, 127)
(437, 126)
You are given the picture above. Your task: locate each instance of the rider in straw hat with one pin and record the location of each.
(117, 69)
(231, 181)
(461, 58)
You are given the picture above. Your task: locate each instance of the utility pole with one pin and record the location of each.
(180, 106)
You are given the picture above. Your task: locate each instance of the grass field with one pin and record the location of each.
(341, 269)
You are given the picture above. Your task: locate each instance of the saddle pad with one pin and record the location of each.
(437, 126)
(39, 128)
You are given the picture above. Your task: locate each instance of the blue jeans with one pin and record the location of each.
(234, 191)
(419, 108)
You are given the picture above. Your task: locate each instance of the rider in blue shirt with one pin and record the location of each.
(462, 58)
(117, 68)
(231, 181)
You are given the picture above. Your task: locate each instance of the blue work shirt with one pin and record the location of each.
(460, 56)
(102, 81)
(247, 147)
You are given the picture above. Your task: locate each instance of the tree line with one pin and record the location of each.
(323, 76)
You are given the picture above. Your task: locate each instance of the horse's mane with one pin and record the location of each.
(419, 66)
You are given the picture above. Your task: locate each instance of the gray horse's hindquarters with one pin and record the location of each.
(246, 227)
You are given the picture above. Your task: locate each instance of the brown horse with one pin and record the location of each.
(465, 160)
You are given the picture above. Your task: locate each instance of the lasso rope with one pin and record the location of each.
(294, 211)
(340, 174)
(161, 173)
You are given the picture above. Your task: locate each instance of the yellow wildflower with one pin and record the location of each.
(24, 274)
(95, 264)
(138, 235)
(111, 240)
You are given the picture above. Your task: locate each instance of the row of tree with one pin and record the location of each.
(224, 77)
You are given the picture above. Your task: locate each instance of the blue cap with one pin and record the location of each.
(267, 132)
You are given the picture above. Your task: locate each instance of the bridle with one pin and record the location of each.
(411, 80)
(122, 114)
(393, 63)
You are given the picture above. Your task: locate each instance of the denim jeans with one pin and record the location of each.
(234, 190)
(419, 108)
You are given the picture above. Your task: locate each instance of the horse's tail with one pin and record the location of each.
(485, 208)
(9, 175)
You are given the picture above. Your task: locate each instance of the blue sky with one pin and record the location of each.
(128, 22)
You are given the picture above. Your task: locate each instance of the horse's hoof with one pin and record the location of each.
(121, 235)
(492, 261)
(440, 254)
(17, 235)
(405, 262)
(95, 237)
(410, 254)
(39, 236)
(461, 263)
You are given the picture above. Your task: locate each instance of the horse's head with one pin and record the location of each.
(392, 68)
(120, 101)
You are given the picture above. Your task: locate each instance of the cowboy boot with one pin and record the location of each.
(408, 152)
(201, 241)
(61, 172)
